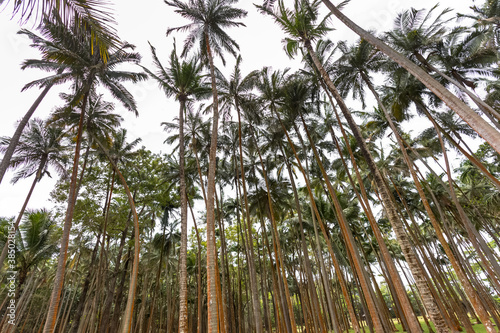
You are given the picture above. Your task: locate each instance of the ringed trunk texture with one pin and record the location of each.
(466, 284)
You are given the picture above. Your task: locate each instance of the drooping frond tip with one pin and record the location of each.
(268, 4)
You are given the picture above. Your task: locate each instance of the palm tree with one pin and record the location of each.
(40, 147)
(486, 131)
(36, 242)
(86, 69)
(402, 90)
(301, 26)
(208, 20)
(184, 81)
(235, 93)
(466, 283)
(51, 80)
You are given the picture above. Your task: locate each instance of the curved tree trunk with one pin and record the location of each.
(438, 320)
(485, 130)
(349, 241)
(251, 260)
(316, 213)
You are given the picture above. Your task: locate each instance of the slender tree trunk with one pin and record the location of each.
(251, 262)
(307, 261)
(211, 250)
(198, 276)
(480, 103)
(469, 289)
(183, 290)
(63, 253)
(129, 308)
(108, 303)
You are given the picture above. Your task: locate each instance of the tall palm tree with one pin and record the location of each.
(40, 147)
(86, 69)
(208, 19)
(36, 241)
(184, 81)
(235, 93)
(50, 82)
(91, 16)
(100, 121)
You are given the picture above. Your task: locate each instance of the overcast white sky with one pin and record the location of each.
(260, 45)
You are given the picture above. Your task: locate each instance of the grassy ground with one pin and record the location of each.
(477, 328)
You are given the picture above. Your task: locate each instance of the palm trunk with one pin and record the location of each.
(349, 240)
(307, 261)
(108, 303)
(276, 243)
(19, 131)
(198, 277)
(23, 208)
(476, 239)
(438, 321)
(211, 250)
(251, 262)
(485, 130)
(400, 292)
(50, 321)
(183, 290)
(488, 110)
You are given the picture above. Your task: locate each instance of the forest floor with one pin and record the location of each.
(477, 327)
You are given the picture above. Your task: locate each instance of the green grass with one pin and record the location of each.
(477, 328)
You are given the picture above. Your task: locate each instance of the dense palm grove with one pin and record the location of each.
(358, 193)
